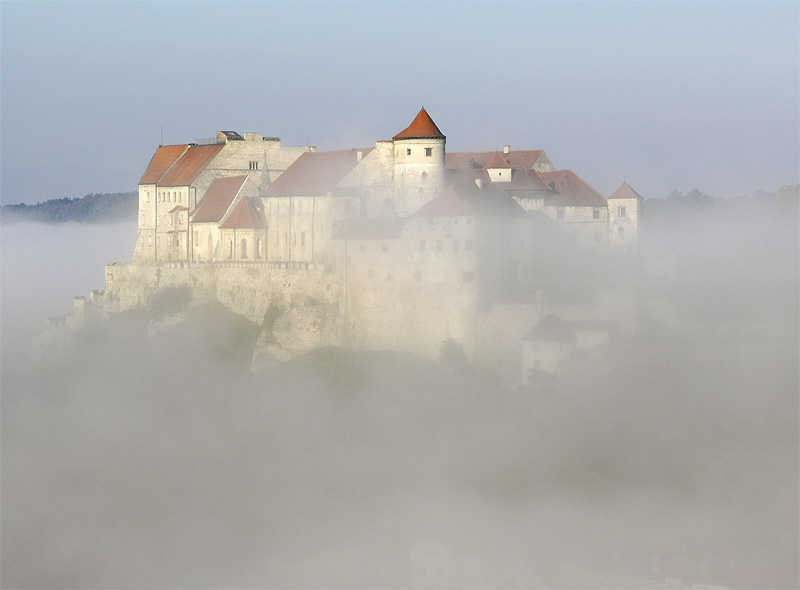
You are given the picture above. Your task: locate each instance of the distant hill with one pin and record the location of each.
(96, 208)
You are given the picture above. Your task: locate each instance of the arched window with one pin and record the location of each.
(230, 248)
(258, 248)
(244, 249)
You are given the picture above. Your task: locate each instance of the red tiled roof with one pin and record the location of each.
(190, 165)
(314, 173)
(521, 180)
(516, 159)
(245, 215)
(466, 199)
(165, 156)
(422, 127)
(497, 161)
(366, 229)
(218, 198)
(625, 191)
(572, 190)
(525, 180)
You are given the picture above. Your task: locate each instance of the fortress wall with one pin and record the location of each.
(129, 286)
(250, 288)
(246, 288)
(403, 295)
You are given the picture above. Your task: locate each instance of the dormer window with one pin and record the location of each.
(429, 152)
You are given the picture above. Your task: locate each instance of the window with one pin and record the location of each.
(596, 214)
(429, 152)
(384, 248)
(621, 211)
(408, 151)
(303, 239)
(244, 249)
(258, 248)
(253, 165)
(560, 213)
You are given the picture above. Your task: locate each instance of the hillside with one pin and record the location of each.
(93, 208)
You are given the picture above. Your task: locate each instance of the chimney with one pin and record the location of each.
(359, 155)
(479, 182)
(506, 149)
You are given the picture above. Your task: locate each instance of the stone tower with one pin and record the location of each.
(419, 164)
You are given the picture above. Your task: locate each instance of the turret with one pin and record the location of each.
(624, 208)
(419, 164)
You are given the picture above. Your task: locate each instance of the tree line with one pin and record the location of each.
(92, 208)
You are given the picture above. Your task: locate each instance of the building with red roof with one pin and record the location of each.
(399, 245)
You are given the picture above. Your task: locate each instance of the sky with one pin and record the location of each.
(665, 95)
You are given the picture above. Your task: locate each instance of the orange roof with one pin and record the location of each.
(625, 191)
(422, 127)
(165, 156)
(314, 173)
(218, 198)
(193, 161)
(525, 180)
(466, 199)
(522, 159)
(573, 191)
(497, 161)
(245, 215)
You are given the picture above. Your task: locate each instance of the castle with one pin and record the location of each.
(399, 246)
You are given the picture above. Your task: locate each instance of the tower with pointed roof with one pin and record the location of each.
(419, 164)
(624, 207)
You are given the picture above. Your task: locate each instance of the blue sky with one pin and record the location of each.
(668, 95)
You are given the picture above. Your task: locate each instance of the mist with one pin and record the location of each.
(146, 458)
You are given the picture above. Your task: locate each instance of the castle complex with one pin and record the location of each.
(399, 246)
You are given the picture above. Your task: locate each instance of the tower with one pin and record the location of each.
(419, 164)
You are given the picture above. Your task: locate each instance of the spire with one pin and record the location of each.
(422, 127)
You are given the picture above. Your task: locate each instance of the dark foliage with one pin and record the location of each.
(92, 208)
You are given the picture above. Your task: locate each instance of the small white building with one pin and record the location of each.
(555, 345)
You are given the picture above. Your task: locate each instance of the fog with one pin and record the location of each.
(158, 461)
